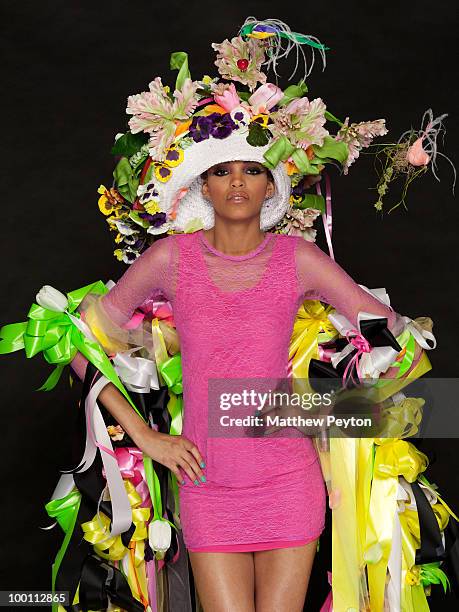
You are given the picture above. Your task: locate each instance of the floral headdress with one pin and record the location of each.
(175, 135)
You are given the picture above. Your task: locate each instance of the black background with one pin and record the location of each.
(67, 70)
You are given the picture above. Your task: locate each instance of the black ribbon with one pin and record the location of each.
(452, 551)
(375, 331)
(432, 548)
(99, 580)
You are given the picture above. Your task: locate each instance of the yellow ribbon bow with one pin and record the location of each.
(112, 548)
(311, 318)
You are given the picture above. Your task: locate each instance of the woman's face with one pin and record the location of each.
(237, 189)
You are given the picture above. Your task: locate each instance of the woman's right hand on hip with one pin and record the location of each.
(175, 452)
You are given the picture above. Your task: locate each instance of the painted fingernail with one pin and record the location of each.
(202, 464)
(203, 478)
(196, 482)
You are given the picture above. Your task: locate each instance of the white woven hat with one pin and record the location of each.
(201, 156)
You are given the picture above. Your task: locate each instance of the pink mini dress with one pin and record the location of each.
(234, 316)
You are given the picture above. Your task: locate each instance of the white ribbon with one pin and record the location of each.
(137, 373)
(380, 294)
(96, 433)
(421, 336)
(371, 364)
(394, 585)
(83, 327)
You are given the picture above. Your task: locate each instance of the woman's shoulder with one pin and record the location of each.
(288, 242)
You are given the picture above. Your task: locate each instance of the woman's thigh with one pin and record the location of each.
(225, 581)
(282, 577)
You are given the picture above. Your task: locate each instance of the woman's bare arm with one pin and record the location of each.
(151, 272)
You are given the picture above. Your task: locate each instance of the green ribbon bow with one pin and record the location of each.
(282, 149)
(59, 339)
(65, 510)
(171, 371)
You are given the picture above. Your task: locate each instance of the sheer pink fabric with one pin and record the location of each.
(321, 278)
(154, 273)
(151, 276)
(234, 316)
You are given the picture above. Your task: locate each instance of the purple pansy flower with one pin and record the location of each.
(216, 125)
(200, 128)
(222, 126)
(155, 220)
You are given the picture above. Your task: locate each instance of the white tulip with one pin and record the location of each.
(52, 299)
(159, 535)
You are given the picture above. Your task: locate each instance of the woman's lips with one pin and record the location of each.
(238, 196)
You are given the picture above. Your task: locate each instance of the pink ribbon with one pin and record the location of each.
(205, 101)
(326, 353)
(328, 603)
(151, 579)
(131, 466)
(362, 345)
(175, 202)
(162, 309)
(135, 321)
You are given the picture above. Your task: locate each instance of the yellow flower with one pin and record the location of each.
(206, 79)
(109, 201)
(118, 238)
(152, 207)
(174, 156)
(262, 119)
(162, 172)
(118, 253)
(291, 168)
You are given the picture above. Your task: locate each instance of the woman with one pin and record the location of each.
(251, 525)
(217, 168)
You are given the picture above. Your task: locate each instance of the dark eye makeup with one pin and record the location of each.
(222, 169)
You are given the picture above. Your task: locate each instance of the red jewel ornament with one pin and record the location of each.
(242, 64)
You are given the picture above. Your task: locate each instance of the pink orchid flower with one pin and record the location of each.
(265, 97)
(228, 99)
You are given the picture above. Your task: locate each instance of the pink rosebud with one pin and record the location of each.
(265, 97)
(228, 99)
(416, 154)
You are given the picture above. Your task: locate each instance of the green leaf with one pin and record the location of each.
(258, 135)
(331, 148)
(125, 180)
(129, 143)
(292, 92)
(311, 200)
(330, 117)
(138, 167)
(179, 61)
(302, 162)
(244, 95)
(134, 215)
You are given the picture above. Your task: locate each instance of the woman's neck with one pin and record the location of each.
(234, 241)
